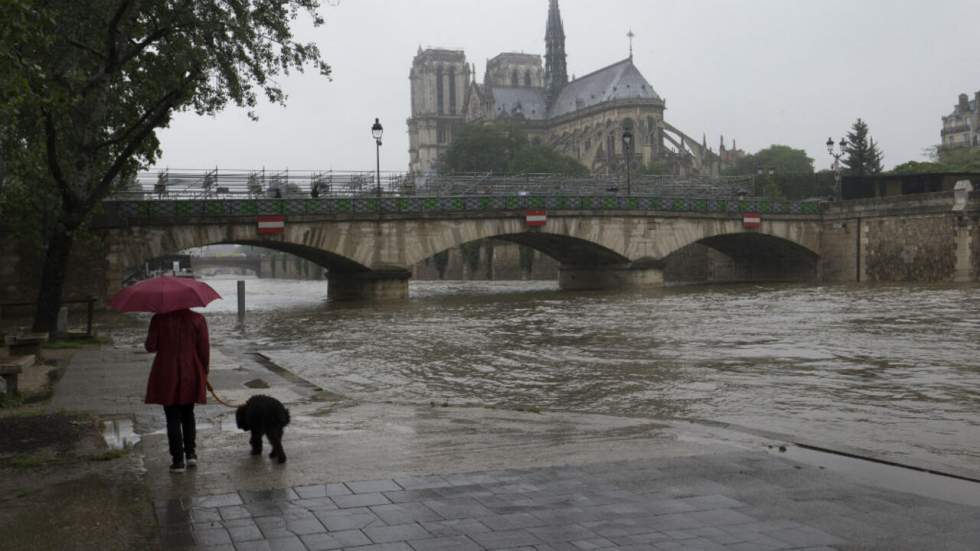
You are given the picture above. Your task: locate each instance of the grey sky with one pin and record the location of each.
(759, 71)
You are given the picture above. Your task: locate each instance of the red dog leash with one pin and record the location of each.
(220, 401)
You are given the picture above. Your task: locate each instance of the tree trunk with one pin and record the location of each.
(53, 275)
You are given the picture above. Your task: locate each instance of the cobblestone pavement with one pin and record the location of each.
(652, 505)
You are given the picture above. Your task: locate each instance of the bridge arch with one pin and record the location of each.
(742, 257)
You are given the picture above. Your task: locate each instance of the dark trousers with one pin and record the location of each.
(181, 430)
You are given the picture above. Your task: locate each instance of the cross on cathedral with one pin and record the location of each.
(630, 35)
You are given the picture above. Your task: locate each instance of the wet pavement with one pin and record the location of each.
(386, 476)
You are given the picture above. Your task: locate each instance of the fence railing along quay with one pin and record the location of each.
(285, 184)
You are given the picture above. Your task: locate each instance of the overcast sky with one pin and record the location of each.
(760, 71)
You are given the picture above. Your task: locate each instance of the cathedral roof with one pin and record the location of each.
(618, 81)
(529, 102)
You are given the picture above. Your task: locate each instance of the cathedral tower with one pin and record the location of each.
(556, 67)
(439, 81)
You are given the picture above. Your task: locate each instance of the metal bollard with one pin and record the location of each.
(241, 302)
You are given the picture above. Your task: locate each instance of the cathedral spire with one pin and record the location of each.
(556, 68)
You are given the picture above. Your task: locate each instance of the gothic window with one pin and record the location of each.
(452, 90)
(514, 79)
(441, 133)
(439, 96)
(527, 78)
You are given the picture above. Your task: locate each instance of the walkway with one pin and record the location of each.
(386, 477)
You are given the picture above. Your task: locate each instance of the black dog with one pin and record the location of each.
(264, 415)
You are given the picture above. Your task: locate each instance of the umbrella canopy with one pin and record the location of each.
(164, 294)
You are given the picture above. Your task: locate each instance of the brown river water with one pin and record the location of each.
(891, 370)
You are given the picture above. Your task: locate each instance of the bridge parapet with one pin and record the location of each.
(118, 213)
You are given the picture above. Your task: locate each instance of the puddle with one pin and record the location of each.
(893, 477)
(119, 434)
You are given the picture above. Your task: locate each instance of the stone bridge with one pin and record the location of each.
(369, 247)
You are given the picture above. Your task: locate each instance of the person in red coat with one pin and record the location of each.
(179, 377)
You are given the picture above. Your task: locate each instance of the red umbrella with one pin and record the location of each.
(164, 294)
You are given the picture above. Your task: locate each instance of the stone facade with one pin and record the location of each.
(961, 128)
(584, 118)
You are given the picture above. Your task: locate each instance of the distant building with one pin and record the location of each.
(961, 128)
(583, 117)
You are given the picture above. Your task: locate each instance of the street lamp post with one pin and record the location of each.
(627, 154)
(377, 131)
(836, 154)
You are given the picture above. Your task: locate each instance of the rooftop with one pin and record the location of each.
(621, 80)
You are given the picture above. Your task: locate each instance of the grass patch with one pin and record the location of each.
(109, 455)
(34, 461)
(73, 343)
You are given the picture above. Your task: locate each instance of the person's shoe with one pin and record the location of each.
(177, 467)
(191, 460)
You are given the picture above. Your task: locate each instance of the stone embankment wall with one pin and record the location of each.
(905, 239)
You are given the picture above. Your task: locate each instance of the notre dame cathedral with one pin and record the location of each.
(583, 117)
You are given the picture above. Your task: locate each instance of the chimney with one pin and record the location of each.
(964, 105)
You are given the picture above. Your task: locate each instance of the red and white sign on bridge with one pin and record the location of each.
(536, 218)
(271, 225)
(751, 220)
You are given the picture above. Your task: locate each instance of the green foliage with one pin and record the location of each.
(656, 168)
(960, 159)
(86, 84)
(504, 149)
(916, 167)
(782, 159)
(944, 159)
(861, 154)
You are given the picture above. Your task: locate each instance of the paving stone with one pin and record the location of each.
(455, 527)
(315, 504)
(373, 486)
(405, 513)
(503, 540)
(400, 546)
(720, 517)
(453, 543)
(252, 496)
(310, 492)
(263, 509)
(244, 533)
(234, 512)
(222, 500)
(205, 515)
(406, 496)
(288, 543)
(360, 500)
(349, 519)
(562, 533)
(512, 521)
(422, 482)
(302, 527)
(212, 536)
(335, 540)
(273, 527)
(458, 508)
(707, 503)
(400, 532)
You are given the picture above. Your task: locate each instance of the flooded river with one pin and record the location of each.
(891, 370)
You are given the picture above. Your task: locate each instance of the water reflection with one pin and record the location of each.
(888, 369)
